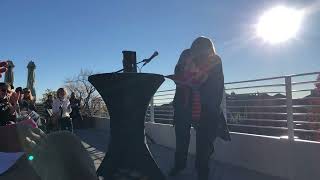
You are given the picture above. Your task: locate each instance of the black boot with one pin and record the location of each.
(203, 174)
(175, 171)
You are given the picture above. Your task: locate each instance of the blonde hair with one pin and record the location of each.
(184, 56)
(61, 90)
(202, 46)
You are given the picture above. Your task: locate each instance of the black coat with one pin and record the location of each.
(182, 108)
(211, 92)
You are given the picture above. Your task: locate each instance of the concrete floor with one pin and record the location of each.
(96, 142)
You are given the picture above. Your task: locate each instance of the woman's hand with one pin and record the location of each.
(14, 98)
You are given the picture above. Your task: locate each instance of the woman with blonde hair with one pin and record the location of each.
(203, 75)
(28, 99)
(206, 105)
(61, 110)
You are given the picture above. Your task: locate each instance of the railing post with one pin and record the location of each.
(152, 110)
(224, 104)
(290, 123)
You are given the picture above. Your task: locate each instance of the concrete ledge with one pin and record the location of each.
(274, 156)
(296, 160)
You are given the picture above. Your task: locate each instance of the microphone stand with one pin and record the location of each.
(146, 61)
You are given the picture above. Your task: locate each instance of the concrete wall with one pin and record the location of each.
(298, 160)
(101, 123)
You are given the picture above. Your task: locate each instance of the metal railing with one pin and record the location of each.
(284, 106)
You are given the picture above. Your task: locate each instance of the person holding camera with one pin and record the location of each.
(61, 110)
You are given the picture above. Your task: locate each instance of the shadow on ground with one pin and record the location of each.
(96, 142)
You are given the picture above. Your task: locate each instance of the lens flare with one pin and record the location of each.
(30, 157)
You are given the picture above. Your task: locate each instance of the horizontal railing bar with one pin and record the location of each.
(306, 114)
(301, 90)
(279, 106)
(265, 113)
(262, 127)
(257, 99)
(164, 119)
(306, 122)
(255, 80)
(157, 114)
(165, 90)
(255, 93)
(162, 98)
(159, 104)
(163, 103)
(306, 130)
(249, 87)
(304, 74)
(307, 106)
(163, 95)
(304, 82)
(163, 107)
(306, 98)
(163, 110)
(275, 113)
(266, 120)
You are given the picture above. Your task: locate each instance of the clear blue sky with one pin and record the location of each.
(63, 37)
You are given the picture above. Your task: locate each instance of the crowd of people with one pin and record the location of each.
(26, 152)
(18, 106)
(14, 103)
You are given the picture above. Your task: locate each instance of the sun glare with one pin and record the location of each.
(279, 24)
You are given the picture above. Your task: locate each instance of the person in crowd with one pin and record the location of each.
(48, 103)
(19, 90)
(28, 98)
(75, 105)
(8, 104)
(51, 159)
(203, 74)
(49, 115)
(61, 109)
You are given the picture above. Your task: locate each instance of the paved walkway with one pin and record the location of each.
(96, 142)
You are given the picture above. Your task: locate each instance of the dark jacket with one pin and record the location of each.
(5, 113)
(29, 104)
(179, 104)
(212, 117)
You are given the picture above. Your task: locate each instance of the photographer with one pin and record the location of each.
(61, 110)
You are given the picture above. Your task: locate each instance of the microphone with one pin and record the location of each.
(146, 61)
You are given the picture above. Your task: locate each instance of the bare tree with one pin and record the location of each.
(92, 102)
(46, 93)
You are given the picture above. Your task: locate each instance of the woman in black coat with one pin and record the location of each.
(197, 101)
(212, 123)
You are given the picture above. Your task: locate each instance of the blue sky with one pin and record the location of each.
(63, 37)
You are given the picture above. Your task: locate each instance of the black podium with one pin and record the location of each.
(127, 96)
